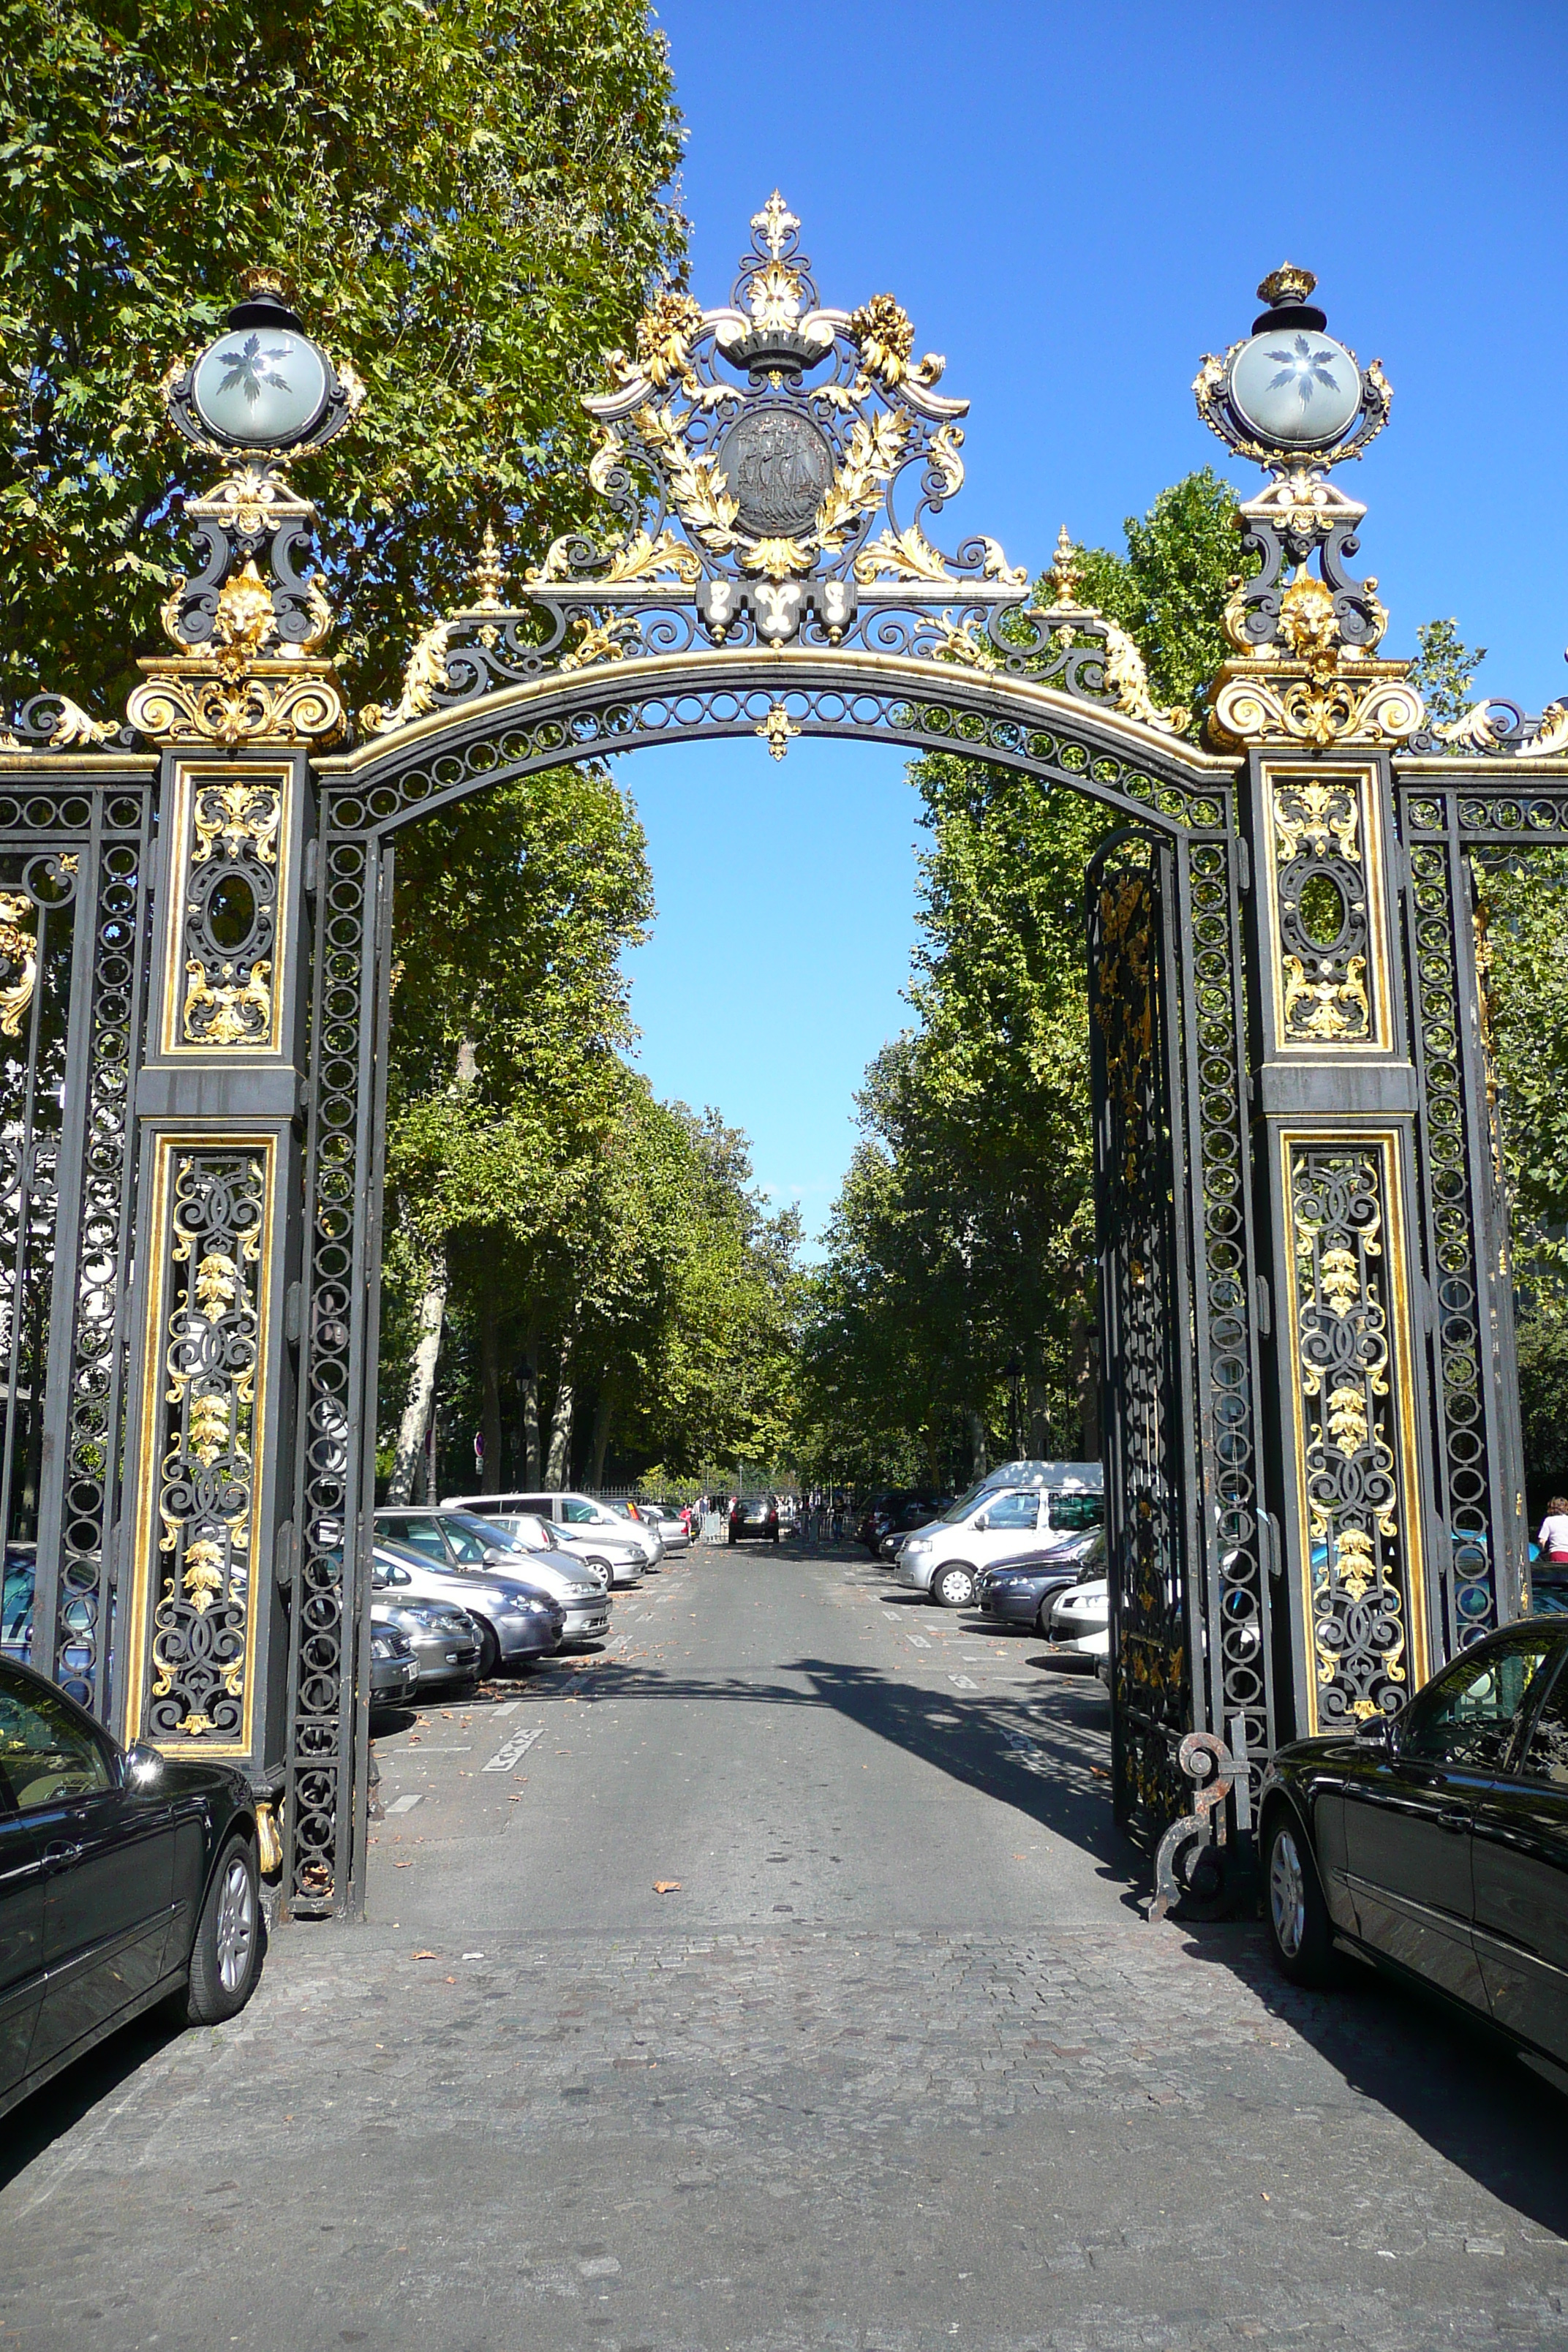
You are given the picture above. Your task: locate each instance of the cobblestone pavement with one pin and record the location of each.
(702, 2133)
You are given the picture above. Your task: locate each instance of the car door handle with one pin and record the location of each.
(59, 1851)
(1453, 1817)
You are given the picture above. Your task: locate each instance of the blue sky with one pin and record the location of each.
(1074, 206)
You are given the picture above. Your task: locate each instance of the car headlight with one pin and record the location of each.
(581, 1592)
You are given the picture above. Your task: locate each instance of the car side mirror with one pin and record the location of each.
(143, 1765)
(1378, 1732)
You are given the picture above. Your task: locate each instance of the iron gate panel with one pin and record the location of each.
(74, 883)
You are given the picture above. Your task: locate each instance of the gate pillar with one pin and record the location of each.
(206, 1553)
(1334, 1131)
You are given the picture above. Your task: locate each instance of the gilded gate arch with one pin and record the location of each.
(1312, 1454)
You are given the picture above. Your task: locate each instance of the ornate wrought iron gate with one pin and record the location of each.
(1312, 1450)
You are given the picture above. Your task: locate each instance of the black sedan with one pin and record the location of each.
(756, 1516)
(126, 1878)
(1436, 1841)
(1019, 1592)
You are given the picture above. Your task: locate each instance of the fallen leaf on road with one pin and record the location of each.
(427, 1956)
(451, 1980)
(666, 1887)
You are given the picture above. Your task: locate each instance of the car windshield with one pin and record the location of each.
(485, 1531)
(964, 1504)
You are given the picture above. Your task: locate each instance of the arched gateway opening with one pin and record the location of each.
(1311, 1453)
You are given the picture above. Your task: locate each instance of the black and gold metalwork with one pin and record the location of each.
(1312, 1457)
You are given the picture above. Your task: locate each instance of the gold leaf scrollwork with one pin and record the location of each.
(600, 641)
(1331, 1008)
(1313, 811)
(235, 1012)
(237, 813)
(19, 954)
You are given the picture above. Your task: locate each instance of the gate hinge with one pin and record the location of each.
(1243, 864)
(292, 1324)
(312, 856)
(1264, 1306)
(283, 1559)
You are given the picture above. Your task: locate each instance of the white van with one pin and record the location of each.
(1021, 1508)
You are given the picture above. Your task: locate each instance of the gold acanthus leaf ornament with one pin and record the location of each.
(887, 339)
(1552, 733)
(1129, 679)
(19, 951)
(76, 727)
(423, 678)
(1313, 811)
(203, 1578)
(870, 461)
(665, 333)
(1346, 1419)
(905, 555)
(1340, 1280)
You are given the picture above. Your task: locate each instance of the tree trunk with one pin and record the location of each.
(415, 1422)
(490, 1372)
(1084, 1342)
(978, 1460)
(558, 1466)
(531, 1467)
(604, 1411)
(1037, 1404)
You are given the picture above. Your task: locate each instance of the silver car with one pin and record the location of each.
(443, 1642)
(515, 1622)
(672, 1528)
(393, 1668)
(572, 1514)
(616, 1557)
(543, 1561)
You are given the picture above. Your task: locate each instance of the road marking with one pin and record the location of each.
(463, 1747)
(918, 1641)
(1024, 1752)
(893, 1616)
(516, 1747)
(963, 1682)
(498, 1712)
(403, 1805)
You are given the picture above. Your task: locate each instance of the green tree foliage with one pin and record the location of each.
(613, 1242)
(472, 201)
(958, 1276)
(1444, 670)
(1168, 589)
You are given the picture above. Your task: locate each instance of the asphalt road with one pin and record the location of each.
(892, 2062)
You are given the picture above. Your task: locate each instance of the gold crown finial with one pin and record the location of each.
(1287, 284)
(265, 278)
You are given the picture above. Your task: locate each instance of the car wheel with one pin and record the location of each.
(953, 1586)
(226, 1957)
(489, 1650)
(1300, 1936)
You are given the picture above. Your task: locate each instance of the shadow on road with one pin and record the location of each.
(30, 2130)
(1456, 2084)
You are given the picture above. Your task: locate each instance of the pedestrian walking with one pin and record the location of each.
(1549, 1579)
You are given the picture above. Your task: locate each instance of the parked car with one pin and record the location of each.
(127, 1878)
(536, 1556)
(444, 1641)
(571, 1513)
(1022, 1592)
(1081, 1620)
(755, 1514)
(895, 1513)
(1057, 1500)
(1435, 1841)
(674, 1526)
(393, 1668)
(610, 1559)
(516, 1621)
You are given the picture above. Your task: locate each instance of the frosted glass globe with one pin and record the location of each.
(1296, 390)
(259, 385)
